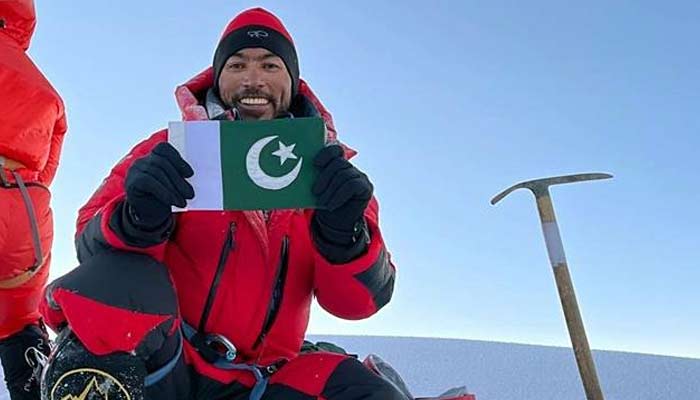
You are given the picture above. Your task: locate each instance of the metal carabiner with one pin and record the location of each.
(221, 340)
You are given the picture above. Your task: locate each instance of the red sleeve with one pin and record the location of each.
(59, 132)
(359, 288)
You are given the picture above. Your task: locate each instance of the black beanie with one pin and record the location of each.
(257, 28)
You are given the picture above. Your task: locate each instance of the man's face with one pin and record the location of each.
(256, 82)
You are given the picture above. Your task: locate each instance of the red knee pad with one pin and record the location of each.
(115, 301)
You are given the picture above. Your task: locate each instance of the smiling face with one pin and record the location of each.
(257, 83)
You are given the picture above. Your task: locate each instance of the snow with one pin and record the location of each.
(496, 371)
(3, 390)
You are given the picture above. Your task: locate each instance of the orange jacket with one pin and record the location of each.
(32, 117)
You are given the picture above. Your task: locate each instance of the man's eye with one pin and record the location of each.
(270, 66)
(235, 66)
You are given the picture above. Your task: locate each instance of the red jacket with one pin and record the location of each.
(32, 127)
(257, 257)
(32, 121)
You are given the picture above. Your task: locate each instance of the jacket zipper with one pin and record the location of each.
(277, 291)
(228, 247)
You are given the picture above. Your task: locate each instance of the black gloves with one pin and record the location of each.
(338, 226)
(154, 184)
(157, 182)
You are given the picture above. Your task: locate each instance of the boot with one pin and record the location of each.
(22, 356)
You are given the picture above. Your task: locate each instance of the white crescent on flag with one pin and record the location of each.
(260, 177)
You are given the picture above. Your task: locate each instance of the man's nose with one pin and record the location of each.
(253, 78)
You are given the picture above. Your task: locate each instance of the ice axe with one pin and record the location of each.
(555, 249)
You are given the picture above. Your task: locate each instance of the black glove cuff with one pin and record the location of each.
(126, 225)
(339, 230)
(340, 247)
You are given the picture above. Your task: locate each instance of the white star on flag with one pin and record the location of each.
(285, 152)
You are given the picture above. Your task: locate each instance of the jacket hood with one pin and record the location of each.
(17, 21)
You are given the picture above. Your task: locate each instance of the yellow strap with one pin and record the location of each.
(10, 163)
(20, 279)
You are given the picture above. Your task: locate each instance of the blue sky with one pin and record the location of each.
(449, 103)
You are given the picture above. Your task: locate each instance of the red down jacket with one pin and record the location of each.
(259, 258)
(32, 121)
(32, 127)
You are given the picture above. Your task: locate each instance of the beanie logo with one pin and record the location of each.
(258, 34)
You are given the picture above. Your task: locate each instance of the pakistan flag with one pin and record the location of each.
(250, 165)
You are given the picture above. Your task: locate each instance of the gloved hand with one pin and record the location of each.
(343, 194)
(154, 184)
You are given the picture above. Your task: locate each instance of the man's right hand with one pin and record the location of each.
(154, 184)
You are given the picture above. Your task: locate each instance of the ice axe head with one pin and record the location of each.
(539, 187)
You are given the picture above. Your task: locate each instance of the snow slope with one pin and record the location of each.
(504, 371)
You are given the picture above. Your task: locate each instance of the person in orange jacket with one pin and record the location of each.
(32, 127)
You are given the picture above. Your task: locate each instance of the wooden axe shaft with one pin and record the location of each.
(565, 287)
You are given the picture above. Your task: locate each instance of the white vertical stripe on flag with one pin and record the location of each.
(199, 143)
(176, 137)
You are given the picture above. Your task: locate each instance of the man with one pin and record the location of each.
(32, 128)
(237, 286)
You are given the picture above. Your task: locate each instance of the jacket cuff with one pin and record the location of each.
(122, 223)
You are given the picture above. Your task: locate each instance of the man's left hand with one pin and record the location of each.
(343, 194)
